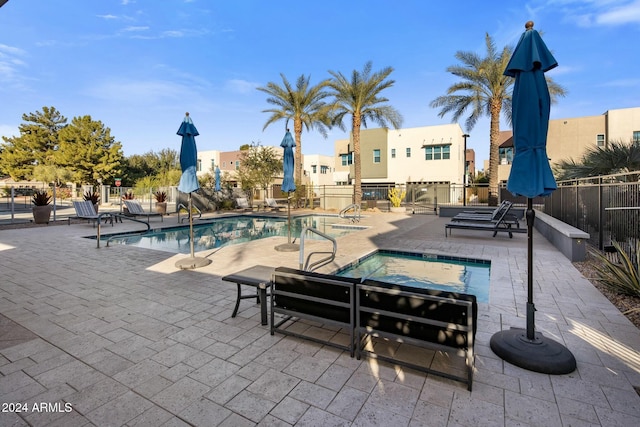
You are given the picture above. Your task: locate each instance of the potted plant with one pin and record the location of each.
(395, 197)
(161, 202)
(41, 207)
(93, 197)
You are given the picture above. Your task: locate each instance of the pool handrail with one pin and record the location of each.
(121, 216)
(181, 206)
(308, 266)
(355, 217)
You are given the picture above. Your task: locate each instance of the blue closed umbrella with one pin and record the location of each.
(288, 143)
(531, 177)
(531, 174)
(217, 176)
(188, 156)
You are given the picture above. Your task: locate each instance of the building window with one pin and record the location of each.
(600, 140)
(213, 164)
(324, 170)
(393, 153)
(505, 155)
(237, 164)
(636, 136)
(347, 159)
(313, 169)
(376, 156)
(198, 165)
(408, 151)
(437, 152)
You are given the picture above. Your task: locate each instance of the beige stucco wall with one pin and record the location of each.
(404, 169)
(622, 123)
(319, 160)
(370, 140)
(570, 138)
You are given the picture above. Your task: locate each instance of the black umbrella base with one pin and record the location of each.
(288, 247)
(192, 262)
(541, 354)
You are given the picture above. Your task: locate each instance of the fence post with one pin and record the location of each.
(601, 214)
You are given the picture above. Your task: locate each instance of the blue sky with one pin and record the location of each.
(139, 65)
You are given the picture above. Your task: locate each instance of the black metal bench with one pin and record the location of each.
(421, 317)
(321, 298)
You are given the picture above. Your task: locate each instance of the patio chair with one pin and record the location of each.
(501, 212)
(271, 203)
(243, 205)
(84, 210)
(135, 209)
(501, 224)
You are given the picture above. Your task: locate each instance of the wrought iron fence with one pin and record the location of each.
(606, 207)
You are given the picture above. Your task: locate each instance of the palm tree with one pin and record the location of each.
(484, 90)
(616, 157)
(360, 98)
(304, 105)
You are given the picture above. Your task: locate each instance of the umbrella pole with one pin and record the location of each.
(288, 247)
(531, 308)
(528, 349)
(190, 226)
(289, 216)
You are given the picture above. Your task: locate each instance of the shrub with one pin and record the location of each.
(396, 196)
(620, 277)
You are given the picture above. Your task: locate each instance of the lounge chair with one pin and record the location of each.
(135, 209)
(243, 204)
(85, 210)
(500, 224)
(271, 203)
(501, 211)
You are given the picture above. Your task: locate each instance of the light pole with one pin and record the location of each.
(464, 171)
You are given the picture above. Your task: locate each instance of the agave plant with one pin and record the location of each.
(621, 277)
(160, 196)
(41, 198)
(91, 196)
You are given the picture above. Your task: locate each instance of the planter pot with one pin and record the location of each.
(398, 209)
(41, 214)
(161, 207)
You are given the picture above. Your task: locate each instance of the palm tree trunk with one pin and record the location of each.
(494, 152)
(357, 184)
(297, 131)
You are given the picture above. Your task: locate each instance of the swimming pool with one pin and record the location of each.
(447, 273)
(232, 230)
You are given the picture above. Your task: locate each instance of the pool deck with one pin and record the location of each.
(126, 338)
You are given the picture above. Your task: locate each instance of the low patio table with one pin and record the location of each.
(258, 276)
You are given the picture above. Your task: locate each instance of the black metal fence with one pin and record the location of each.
(606, 207)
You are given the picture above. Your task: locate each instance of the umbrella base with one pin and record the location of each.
(192, 262)
(541, 354)
(288, 247)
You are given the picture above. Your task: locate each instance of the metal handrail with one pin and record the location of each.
(308, 266)
(356, 212)
(121, 216)
(181, 206)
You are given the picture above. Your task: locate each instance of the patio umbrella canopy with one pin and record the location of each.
(531, 177)
(288, 143)
(217, 177)
(188, 156)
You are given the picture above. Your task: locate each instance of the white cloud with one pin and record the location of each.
(625, 14)
(109, 16)
(631, 83)
(138, 92)
(241, 86)
(135, 29)
(11, 64)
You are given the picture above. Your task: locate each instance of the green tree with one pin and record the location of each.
(616, 157)
(88, 149)
(484, 90)
(36, 145)
(258, 166)
(303, 105)
(360, 98)
(51, 173)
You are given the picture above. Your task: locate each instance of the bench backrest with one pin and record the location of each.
(446, 318)
(322, 295)
(242, 202)
(134, 207)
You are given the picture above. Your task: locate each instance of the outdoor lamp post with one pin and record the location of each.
(464, 171)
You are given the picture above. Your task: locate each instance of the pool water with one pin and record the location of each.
(233, 230)
(440, 272)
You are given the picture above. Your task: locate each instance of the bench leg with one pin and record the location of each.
(235, 310)
(263, 305)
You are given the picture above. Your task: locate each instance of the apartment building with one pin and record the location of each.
(570, 138)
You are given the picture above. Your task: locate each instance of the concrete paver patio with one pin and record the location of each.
(119, 336)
